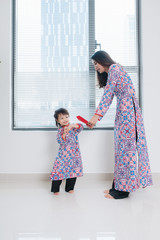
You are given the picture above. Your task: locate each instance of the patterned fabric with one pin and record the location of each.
(68, 163)
(132, 167)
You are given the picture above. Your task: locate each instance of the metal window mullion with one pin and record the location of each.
(13, 60)
(91, 44)
(138, 28)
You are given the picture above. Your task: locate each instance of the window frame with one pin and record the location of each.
(92, 47)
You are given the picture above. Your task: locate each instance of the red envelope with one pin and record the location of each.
(82, 119)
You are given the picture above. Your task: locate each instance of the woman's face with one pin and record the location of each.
(98, 67)
(63, 120)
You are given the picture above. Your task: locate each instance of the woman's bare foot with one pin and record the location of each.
(56, 193)
(106, 191)
(108, 196)
(71, 191)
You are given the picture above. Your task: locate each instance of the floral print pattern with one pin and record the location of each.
(68, 163)
(132, 167)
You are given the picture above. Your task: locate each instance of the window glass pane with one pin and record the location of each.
(52, 61)
(53, 43)
(116, 33)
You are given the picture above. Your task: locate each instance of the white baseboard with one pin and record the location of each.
(10, 177)
(7, 177)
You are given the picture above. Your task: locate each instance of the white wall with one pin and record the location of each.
(151, 77)
(35, 151)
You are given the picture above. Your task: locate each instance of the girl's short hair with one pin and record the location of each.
(60, 111)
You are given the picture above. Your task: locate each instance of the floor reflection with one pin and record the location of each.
(105, 236)
(56, 236)
(30, 212)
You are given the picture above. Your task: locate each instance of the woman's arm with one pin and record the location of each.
(106, 99)
(93, 121)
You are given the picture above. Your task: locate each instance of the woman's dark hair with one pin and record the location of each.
(105, 60)
(60, 111)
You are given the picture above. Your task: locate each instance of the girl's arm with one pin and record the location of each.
(77, 127)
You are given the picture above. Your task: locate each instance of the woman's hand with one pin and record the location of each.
(93, 121)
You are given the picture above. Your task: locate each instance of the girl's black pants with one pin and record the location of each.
(70, 183)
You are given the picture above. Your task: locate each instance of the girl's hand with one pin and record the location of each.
(93, 121)
(65, 132)
(70, 127)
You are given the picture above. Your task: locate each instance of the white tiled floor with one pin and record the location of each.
(29, 211)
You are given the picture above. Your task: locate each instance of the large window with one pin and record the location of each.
(53, 43)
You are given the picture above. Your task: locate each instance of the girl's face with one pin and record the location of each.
(98, 67)
(63, 120)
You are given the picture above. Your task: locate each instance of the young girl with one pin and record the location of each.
(68, 164)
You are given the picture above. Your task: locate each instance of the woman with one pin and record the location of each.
(129, 134)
